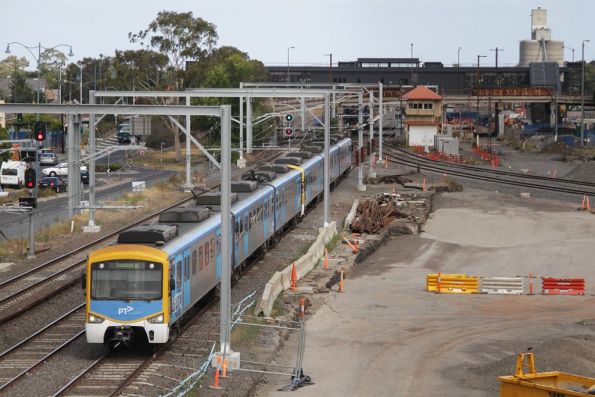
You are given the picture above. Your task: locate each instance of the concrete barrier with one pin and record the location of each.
(282, 280)
(502, 285)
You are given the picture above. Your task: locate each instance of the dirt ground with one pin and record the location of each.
(386, 336)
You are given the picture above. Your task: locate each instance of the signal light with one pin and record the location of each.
(30, 178)
(289, 117)
(288, 131)
(19, 118)
(39, 131)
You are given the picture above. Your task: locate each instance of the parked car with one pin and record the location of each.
(53, 182)
(59, 170)
(12, 173)
(48, 158)
(85, 177)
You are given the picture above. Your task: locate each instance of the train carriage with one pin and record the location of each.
(141, 286)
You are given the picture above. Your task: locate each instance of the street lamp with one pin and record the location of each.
(477, 118)
(288, 48)
(583, 92)
(38, 58)
(572, 49)
(459, 57)
(330, 67)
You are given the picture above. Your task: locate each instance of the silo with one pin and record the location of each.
(538, 20)
(555, 51)
(530, 51)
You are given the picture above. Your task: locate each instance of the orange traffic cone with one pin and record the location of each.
(585, 204)
(325, 259)
(341, 286)
(302, 308)
(293, 278)
(530, 283)
(386, 162)
(215, 385)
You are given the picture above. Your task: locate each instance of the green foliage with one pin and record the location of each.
(11, 65)
(179, 35)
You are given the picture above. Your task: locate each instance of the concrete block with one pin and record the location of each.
(241, 163)
(233, 360)
(526, 195)
(360, 188)
(91, 229)
(5, 266)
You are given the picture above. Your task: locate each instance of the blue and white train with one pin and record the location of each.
(140, 287)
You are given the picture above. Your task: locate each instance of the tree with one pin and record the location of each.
(181, 37)
(11, 65)
(50, 62)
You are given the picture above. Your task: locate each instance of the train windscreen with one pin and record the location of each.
(126, 280)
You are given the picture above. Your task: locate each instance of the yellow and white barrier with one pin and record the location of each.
(503, 285)
(443, 283)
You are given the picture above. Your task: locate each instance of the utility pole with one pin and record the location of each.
(288, 48)
(459, 58)
(478, 77)
(411, 45)
(583, 92)
(371, 172)
(330, 68)
(497, 50)
(360, 143)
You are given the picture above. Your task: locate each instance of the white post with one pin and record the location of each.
(371, 172)
(241, 163)
(360, 143)
(71, 181)
(380, 122)
(225, 298)
(303, 113)
(249, 125)
(91, 227)
(327, 140)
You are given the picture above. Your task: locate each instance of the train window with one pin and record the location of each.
(207, 254)
(200, 258)
(187, 268)
(194, 261)
(213, 249)
(179, 274)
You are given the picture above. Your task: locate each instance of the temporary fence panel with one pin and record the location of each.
(563, 286)
(452, 283)
(502, 285)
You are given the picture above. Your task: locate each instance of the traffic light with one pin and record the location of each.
(30, 178)
(19, 118)
(28, 202)
(288, 132)
(39, 131)
(289, 117)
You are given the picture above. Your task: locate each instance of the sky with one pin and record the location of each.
(346, 28)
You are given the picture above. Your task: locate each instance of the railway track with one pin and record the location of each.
(567, 186)
(37, 348)
(26, 290)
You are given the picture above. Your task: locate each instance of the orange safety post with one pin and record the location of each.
(438, 281)
(354, 248)
(302, 310)
(423, 185)
(224, 372)
(386, 162)
(293, 286)
(215, 385)
(325, 259)
(530, 283)
(341, 286)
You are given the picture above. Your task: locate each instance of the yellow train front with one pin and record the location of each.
(127, 294)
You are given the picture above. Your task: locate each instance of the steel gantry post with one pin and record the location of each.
(360, 141)
(91, 227)
(303, 113)
(225, 229)
(327, 159)
(188, 186)
(380, 120)
(371, 172)
(249, 124)
(72, 190)
(241, 161)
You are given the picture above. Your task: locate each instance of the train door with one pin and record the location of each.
(177, 290)
(186, 278)
(246, 237)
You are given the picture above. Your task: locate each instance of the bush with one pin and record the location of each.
(103, 167)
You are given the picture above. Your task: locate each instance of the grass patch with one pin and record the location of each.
(333, 242)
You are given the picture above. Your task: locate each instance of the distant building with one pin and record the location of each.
(541, 47)
(423, 116)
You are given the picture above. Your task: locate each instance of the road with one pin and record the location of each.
(55, 209)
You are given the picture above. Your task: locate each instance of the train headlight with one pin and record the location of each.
(95, 319)
(158, 319)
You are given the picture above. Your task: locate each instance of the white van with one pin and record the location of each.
(12, 173)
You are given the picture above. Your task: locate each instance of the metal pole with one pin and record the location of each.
(303, 113)
(249, 125)
(583, 93)
(188, 184)
(71, 132)
(92, 149)
(327, 174)
(371, 173)
(459, 57)
(225, 229)
(31, 252)
(380, 121)
(241, 124)
(360, 143)
(81, 84)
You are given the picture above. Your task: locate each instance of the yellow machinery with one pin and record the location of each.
(543, 384)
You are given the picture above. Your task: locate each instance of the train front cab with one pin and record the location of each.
(127, 295)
